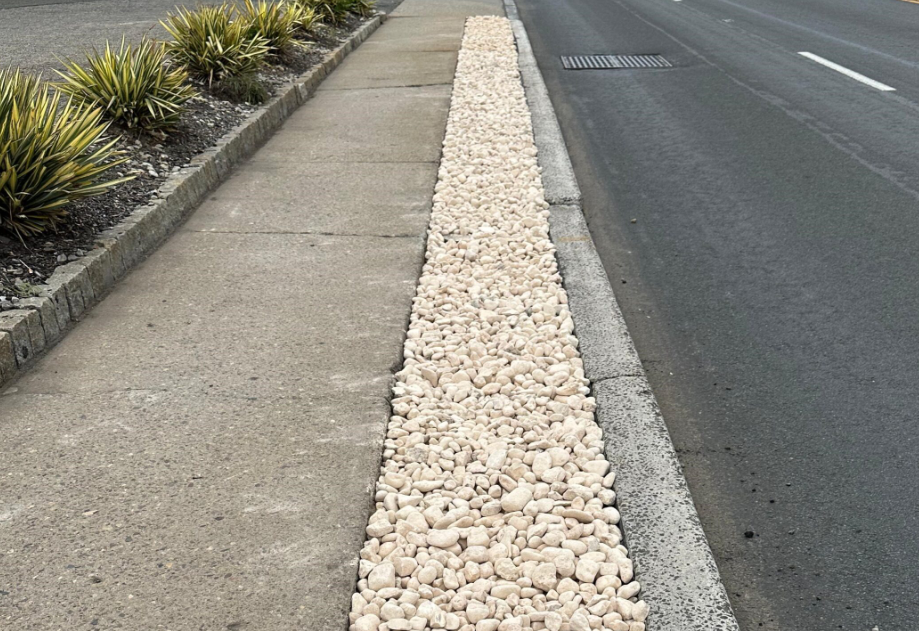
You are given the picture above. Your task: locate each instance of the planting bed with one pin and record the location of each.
(25, 264)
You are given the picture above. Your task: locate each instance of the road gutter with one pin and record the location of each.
(673, 561)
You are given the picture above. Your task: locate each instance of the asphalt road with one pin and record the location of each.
(770, 277)
(15, 4)
(34, 34)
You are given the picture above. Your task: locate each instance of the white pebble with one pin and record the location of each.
(494, 507)
(367, 623)
(383, 575)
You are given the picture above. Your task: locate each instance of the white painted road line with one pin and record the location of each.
(849, 73)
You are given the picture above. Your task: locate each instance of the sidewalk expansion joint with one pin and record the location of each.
(309, 233)
(205, 393)
(386, 87)
(371, 161)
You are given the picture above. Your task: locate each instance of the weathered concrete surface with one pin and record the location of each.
(453, 8)
(437, 34)
(605, 344)
(199, 452)
(75, 288)
(396, 68)
(369, 126)
(334, 195)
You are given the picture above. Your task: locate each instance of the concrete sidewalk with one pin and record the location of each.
(200, 452)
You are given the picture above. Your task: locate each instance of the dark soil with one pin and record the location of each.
(26, 264)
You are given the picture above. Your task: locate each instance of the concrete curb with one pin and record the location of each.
(673, 561)
(74, 288)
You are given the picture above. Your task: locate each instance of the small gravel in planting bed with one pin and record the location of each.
(495, 508)
(25, 264)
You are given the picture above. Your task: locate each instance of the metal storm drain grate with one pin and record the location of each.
(613, 62)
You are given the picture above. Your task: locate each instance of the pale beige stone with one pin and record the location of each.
(494, 485)
(367, 623)
(383, 575)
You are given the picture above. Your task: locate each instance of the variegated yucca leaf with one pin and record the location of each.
(52, 152)
(212, 43)
(134, 87)
(276, 22)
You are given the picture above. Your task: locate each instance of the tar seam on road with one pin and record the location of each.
(678, 574)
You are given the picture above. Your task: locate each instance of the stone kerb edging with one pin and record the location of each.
(74, 288)
(673, 561)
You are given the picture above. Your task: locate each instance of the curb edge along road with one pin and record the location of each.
(673, 561)
(73, 289)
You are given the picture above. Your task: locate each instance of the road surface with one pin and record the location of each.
(758, 213)
(35, 33)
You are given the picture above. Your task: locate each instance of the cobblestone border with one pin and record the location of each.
(673, 561)
(73, 289)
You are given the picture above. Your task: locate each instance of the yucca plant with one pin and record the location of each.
(211, 45)
(134, 87)
(336, 10)
(308, 18)
(275, 21)
(363, 8)
(330, 11)
(51, 153)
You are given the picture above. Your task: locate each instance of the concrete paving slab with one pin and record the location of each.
(285, 314)
(393, 68)
(341, 198)
(410, 34)
(145, 509)
(434, 8)
(380, 125)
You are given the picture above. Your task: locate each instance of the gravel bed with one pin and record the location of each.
(495, 508)
(24, 265)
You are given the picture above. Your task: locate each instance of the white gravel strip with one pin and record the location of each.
(495, 502)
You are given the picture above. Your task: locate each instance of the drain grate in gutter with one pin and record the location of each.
(613, 62)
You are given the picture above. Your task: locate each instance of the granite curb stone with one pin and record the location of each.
(24, 329)
(74, 288)
(7, 356)
(606, 345)
(47, 311)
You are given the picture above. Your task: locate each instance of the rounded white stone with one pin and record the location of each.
(442, 538)
(382, 576)
(367, 623)
(587, 570)
(516, 499)
(493, 484)
(476, 611)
